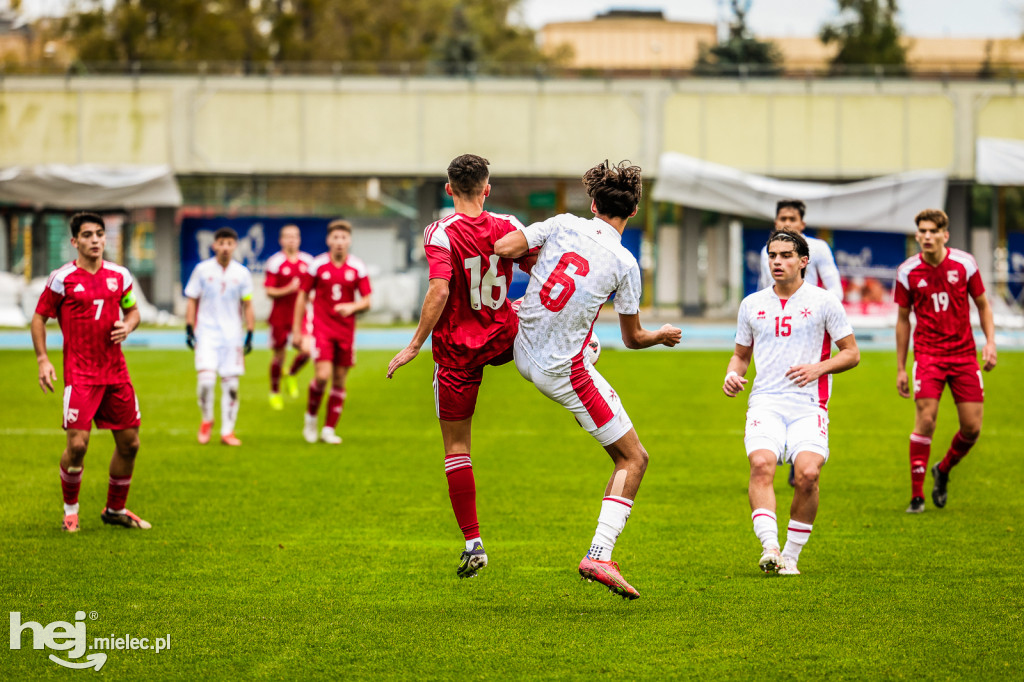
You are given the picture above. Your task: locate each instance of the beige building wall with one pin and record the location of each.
(629, 43)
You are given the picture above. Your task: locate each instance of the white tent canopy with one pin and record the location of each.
(90, 186)
(883, 204)
(999, 161)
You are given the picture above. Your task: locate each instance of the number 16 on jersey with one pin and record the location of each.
(481, 289)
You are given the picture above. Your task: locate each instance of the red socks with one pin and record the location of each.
(958, 449)
(920, 451)
(316, 396)
(70, 484)
(117, 493)
(462, 491)
(335, 403)
(275, 375)
(298, 363)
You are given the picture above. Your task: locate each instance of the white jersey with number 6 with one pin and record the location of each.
(796, 331)
(580, 265)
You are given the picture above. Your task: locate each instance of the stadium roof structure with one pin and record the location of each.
(883, 204)
(90, 186)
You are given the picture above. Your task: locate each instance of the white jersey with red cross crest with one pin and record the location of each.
(784, 333)
(580, 265)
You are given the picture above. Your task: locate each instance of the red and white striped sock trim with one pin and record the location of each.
(120, 481)
(621, 500)
(923, 440)
(69, 477)
(454, 463)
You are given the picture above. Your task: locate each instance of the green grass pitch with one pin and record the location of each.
(286, 560)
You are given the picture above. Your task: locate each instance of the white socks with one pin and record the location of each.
(204, 394)
(228, 404)
(614, 514)
(70, 509)
(797, 535)
(766, 527)
(471, 543)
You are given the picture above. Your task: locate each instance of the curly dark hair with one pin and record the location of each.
(794, 238)
(616, 189)
(467, 174)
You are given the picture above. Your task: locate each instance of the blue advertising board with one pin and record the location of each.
(1015, 252)
(257, 239)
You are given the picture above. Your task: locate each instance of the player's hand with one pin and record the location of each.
(670, 335)
(297, 338)
(801, 375)
(46, 375)
(988, 354)
(293, 285)
(345, 309)
(247, 346)
(190, 336)
(902, 383)
(733, 385)
(404, 357)
(119, 332)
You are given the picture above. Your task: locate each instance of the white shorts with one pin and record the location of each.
(786, 429)
(220, 356)
(585, 393)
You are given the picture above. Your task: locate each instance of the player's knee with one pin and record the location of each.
(807, 478)
(77, 448)
(970, 432)
(129, 449)
(925, 426)
(761, 467)
(641, 458)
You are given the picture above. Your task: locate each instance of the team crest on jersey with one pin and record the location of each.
(326, 275)
(953, 276)
(806, 312)
(112, 283)
(349, 276)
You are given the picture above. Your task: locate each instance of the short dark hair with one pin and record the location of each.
(936, 216)
(467, 174)
(339, 224)
(288, 226)
(795, 238)
(83, 218)
(225, 233)
(616, 189)
(800, 206)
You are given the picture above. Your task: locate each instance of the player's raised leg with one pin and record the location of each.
(971, 415)
(71, 465)
(458, 469)
(761, 492)
(804, 509)
(122, 465)
(920, 450)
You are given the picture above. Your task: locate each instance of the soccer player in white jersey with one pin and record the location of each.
(788, 328)
(581, 263)
(219, 293)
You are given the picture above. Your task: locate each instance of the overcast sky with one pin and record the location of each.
(974, 18)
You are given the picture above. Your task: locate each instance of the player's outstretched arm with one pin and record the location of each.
(636, 337)
(988, 325)
(512, 245)
(902, 346)
(433, 305)
(738, 365)
(46, 373)
(848, 357)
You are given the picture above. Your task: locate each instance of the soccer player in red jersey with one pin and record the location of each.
(936, 284)
(285, 270)
(340, 287)
(471, 324)
(87, 296)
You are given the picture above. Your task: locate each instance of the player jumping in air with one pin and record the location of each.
(471, 325)
(285, 271)
(580, 265)
(936, 284)
(788, 329)
(219, 294)
(340, 287)
(87, 296)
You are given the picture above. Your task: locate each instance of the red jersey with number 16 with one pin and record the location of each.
(87, 305)
(333, 284)
(938, 295)
(477, 323)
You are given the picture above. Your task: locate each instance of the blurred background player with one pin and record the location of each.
(334, 280)
(87, 296)
(935, 284)
(219, 293)
(788, 328)
(821, 266)
(472, 325)
(285, 272)
(581, 263)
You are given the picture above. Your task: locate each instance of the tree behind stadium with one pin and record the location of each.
(867, 35)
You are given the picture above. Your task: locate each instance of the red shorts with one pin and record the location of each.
(279, 336)
(962, 374)
(455, 390)
(337, 351)
(113, 406)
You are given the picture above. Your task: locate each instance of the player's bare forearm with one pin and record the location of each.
(250, 315)
(902, 337)
(433, 305)
(47, 375)
(512, 245)
(847, 358)
(635, 337)
(191, 307)
(122, 328)
(739, 363)
(300, 312)
(988, 325)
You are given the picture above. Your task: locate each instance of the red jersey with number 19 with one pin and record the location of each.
(477, 323)
(334, 284)
(87, 305)
(938, 296)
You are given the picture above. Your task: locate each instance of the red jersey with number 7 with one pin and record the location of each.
(938, 295)
(330, 285)
(87, 305)
(477, 323)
